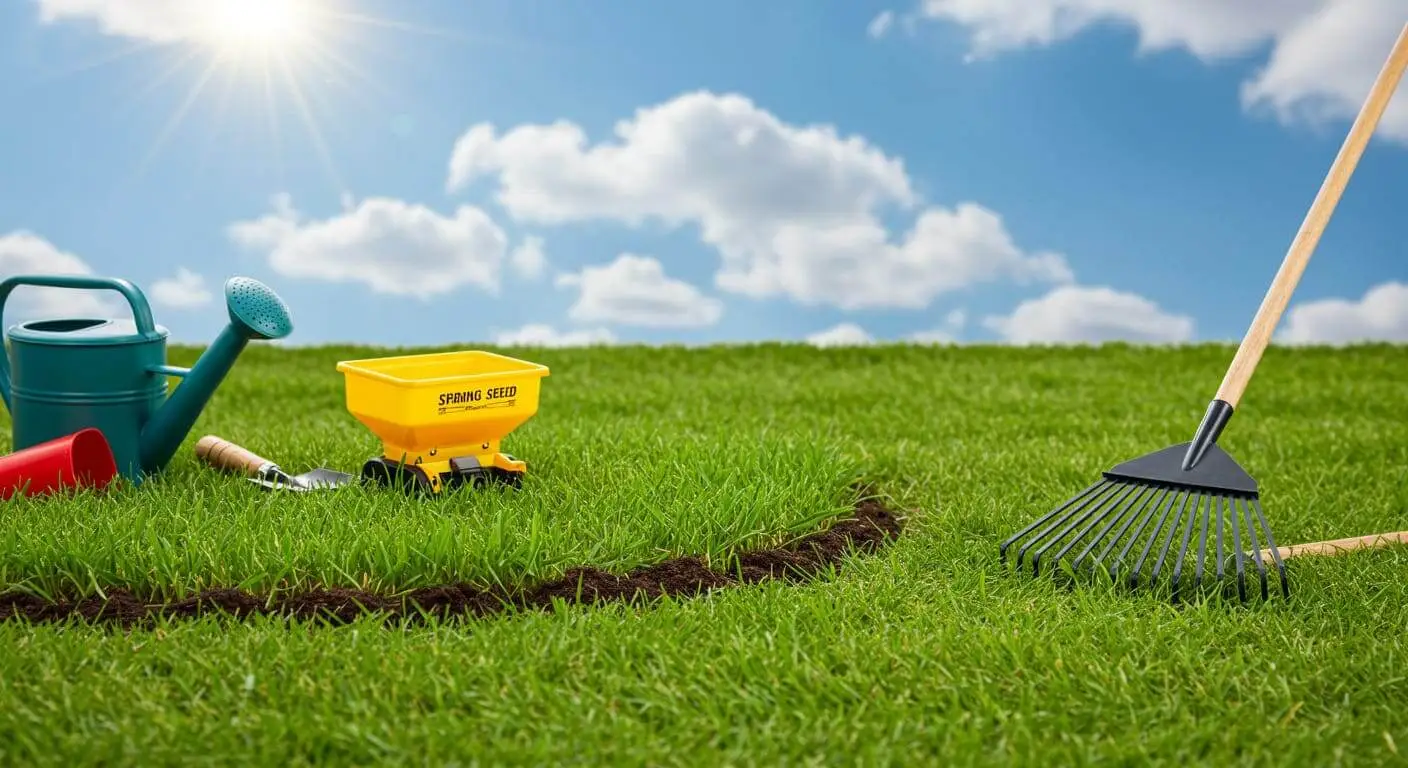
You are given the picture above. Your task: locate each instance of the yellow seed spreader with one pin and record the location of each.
(442, 416)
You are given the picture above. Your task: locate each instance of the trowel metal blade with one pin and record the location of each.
(278, 483)
(322, 477)
(314, 480)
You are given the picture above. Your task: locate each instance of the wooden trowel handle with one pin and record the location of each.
(223, 454)
(1339, 546)
(1279, 295)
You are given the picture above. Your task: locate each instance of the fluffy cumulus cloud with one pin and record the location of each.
(1324, 54)
(634, 290)
(1381, 314)
(793, 210)
(184, 290)
(1082, 314)
(390, 246)
(841, 335)
(26, 253)
(541, 335)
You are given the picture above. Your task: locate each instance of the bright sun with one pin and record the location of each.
(258, 46)
(256, 25)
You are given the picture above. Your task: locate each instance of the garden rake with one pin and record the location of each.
(1157, 503)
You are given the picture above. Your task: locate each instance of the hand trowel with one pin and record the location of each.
(225, 455)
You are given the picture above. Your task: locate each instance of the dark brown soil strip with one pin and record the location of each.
(871, 527)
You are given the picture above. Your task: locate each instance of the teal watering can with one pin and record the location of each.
(63, 375)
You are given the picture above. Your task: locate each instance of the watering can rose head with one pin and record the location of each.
(65, 374)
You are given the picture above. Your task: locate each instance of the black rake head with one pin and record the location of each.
(1148, 518)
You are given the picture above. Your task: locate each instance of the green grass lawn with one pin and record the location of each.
(927, 651)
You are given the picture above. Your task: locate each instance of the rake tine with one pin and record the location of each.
(1256, 549)
(1128, 544)
(1002, 550)
(1108, 508)
(1237, 550)
(1187, 535)
(1221, 503)
(1131, 506)
(1203, 541)
(1163, 553)
(1275, 553)
(1152, 508)
(1036, 557)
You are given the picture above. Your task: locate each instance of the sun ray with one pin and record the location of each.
(310, 123)
(327, 55)
(185, 57)
(462, 36)
(111, 57)
(402, 26)
(272, 105)
(179, 115)
(347, 76)
(222, 104)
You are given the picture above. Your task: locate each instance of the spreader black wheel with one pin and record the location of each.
(413, 479)
(406, 477)
(377, 471)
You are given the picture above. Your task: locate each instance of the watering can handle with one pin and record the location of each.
(141, 311)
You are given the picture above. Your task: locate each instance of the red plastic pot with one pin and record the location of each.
(82, 459)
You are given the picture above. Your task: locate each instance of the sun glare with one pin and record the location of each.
(257, 25)
(281, 52)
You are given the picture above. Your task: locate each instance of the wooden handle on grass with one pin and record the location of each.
(1340, 546)
(1279, 295)
(223, 454)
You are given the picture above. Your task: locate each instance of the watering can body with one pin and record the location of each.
(66, 375)
(63, 375)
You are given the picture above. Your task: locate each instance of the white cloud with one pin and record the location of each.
(540, 335)
(793, 210)
(1324, 54)
(167, 22)
(634, 290)
(528, 259)
(1323, 65)
(26, 253)
(186, 290)
(1380, 315)
(880, 24)
(390, 246)
(841, 335)
(1083, 314)
(945, 333)
(161, 21)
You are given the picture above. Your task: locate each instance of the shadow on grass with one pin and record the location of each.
(871, 527)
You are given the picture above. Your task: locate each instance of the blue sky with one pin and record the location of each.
(519, 170)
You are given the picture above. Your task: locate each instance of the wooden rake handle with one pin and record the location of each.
(223, 454)
(1340, 546)
(1279, 295)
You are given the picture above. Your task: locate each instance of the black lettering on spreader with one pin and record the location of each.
(477, 398)
(455, 398)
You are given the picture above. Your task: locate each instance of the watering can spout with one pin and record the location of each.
(256, 312)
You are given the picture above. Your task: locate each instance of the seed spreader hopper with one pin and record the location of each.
(441, 417)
